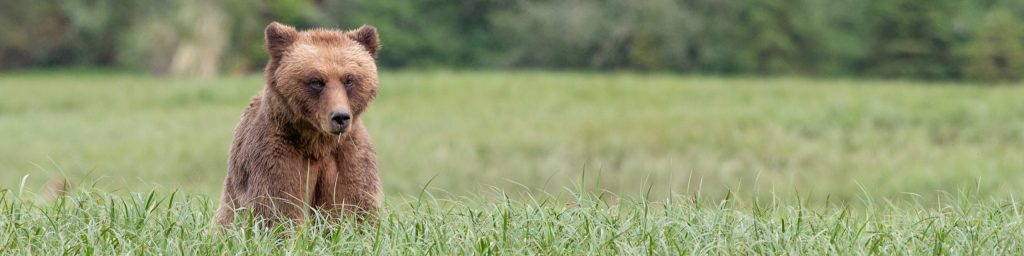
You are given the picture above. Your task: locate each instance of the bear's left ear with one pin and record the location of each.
(366, 35)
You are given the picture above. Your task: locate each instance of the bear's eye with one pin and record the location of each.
(316, 83)
(349, 81)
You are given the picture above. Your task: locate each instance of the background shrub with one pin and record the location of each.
(925, 39)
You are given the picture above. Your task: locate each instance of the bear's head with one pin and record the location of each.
(324, 77)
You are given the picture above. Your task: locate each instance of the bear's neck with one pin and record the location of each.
(296, 132)
(306, 139)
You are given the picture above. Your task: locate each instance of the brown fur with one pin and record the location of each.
(56, 188)
(284, 161)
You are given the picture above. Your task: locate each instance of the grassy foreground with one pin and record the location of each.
(139, 223)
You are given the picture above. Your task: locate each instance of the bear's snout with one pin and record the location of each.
(340, 120)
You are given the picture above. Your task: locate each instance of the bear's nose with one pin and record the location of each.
(340, 119)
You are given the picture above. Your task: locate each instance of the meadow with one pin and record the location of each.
(538, 162)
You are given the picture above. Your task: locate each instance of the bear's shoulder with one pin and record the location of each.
(254, 102)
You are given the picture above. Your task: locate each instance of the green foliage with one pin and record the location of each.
(248, 19)
(997, 52)
(912, 38)
(93, 28)
(576, 33)
(419, 33)
(93, 222)
(780, 36)
(899, 38)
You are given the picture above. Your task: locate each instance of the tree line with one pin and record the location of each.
(923, 39)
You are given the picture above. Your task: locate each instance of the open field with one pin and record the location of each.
(532, 162)
(540, 132)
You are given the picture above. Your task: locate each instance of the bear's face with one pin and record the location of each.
(326, 77)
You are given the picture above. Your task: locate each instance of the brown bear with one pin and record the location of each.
(300, 144)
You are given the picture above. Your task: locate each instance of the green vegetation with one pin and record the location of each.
(924, 39)
(154, 223)
(538, 132)
(536, 162)
(996, 53)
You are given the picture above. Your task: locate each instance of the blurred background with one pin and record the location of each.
(940, 39)
(840, 99)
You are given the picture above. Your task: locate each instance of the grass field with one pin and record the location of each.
(809, 166)
(101, 223)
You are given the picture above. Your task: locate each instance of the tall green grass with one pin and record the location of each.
(92, 222)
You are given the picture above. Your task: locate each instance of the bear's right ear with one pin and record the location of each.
(279, 37)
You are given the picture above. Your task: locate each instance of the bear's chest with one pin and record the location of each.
(322, 165)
